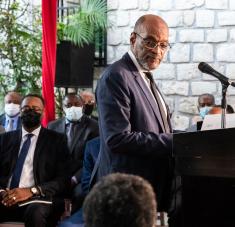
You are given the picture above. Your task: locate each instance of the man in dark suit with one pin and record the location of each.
(135, 129)
(88, 103)
(10, 120)
(32, 163)
(90, 156)
(79, 128)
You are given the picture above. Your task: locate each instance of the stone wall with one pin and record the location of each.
(200, 30)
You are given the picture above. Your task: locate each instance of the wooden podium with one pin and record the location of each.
(205, 160)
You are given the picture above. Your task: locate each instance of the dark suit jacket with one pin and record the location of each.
(131, 130)
(3, 119)
(49, 164)
(90, 156)
(87, 129)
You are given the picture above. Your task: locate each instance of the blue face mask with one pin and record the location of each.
(203, 111)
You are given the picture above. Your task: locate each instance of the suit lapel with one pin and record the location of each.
(79, 131)
(145, 90)
(39, 147)
(16, 148)
(62, 127)
(18, 123)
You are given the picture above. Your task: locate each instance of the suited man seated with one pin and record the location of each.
(10, 120)
(32, 163)
(90, 157)
(79, 128)
(89, 104)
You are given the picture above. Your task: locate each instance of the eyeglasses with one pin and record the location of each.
(150, 44)
(35, 108)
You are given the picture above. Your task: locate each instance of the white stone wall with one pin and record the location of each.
(200, 30)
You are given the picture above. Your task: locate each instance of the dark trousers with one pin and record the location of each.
(33, 215)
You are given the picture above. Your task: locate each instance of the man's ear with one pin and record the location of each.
(132, 38)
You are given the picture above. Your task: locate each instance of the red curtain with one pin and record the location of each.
(49, 18)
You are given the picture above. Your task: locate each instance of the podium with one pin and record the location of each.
(205, 160)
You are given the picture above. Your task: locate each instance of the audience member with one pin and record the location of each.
(10, 120)
(120, 200)
(32, 163)
(90, 156)
(205, 103)
(88, 102)
(79, 128)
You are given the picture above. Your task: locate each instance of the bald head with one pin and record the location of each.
(149, 41)
(150, 21)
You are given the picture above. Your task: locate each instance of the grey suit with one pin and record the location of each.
(131, 130)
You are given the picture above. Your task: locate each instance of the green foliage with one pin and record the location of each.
(20, 47)
(81, 27)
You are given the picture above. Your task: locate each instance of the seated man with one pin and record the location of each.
(88, 102)
(90, 156)
(32, 163)
(10, 120)
(78, 128)
(205, 104)
(120, 200)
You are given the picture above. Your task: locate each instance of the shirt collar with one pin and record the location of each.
(12, 118)
(67, 122)
(35, 132)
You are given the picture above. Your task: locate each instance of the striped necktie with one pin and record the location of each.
(156, 94)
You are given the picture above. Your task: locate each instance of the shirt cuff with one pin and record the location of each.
(74, 179)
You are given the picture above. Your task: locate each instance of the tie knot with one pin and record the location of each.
(29, 136)
(149, 75)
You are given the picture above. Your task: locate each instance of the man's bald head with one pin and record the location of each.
(148, 21)
(149, 41)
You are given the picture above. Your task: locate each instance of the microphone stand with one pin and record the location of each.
(224, 105)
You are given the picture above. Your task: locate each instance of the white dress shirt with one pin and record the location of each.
(146, 80)
(27, 178)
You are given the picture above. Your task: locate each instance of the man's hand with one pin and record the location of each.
(16, 195)
(2, 193)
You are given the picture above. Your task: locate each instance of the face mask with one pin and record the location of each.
(12, 109)
(30, 118)
(74, 113)
(203, 111)
(87, 109)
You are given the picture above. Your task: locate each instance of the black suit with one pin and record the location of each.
(131, 130)
(86, 129)
(49, 164)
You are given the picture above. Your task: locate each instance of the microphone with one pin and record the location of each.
(205, 68)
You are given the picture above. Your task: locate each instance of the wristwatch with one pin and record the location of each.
(34, 190)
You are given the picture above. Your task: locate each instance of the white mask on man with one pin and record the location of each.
(74, 113)
(12, 109)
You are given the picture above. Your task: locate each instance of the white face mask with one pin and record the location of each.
(74, 113)
(12, 109)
